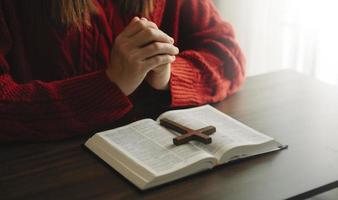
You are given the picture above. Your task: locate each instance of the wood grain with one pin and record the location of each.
(294, 109)
(200, 135)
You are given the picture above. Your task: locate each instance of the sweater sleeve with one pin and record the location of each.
(210, 66)
(43, 111)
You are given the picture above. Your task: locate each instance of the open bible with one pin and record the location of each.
(144, 152)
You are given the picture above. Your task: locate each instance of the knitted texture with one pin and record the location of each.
(52, 79)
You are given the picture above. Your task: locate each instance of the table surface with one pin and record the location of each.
(293, 108)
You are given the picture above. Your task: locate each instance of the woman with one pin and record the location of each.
(70, 67)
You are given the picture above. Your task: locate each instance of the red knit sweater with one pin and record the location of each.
(52, 80)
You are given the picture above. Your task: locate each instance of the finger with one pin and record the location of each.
(132, 22)
(130, 27)
(158, 60)
(157, 48)
(135, 19)
(137, 26)
(160, 68)
(150, 35)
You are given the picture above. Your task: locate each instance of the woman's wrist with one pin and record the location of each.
(117, 82)
(159, 78)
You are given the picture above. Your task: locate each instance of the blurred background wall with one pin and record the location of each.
(280, 34)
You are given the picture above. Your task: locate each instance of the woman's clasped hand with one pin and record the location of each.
(141, 52)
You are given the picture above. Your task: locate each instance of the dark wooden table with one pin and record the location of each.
(294, 109)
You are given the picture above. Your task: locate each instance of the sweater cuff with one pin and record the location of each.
(94, 92)
(182, 83)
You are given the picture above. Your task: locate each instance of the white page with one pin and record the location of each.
(151, 145)
(229, 132)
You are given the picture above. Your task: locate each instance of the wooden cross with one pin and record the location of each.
(200, 135)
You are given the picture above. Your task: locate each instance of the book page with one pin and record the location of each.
(229, 134)
(151, 146)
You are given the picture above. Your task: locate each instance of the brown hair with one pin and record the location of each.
(130, 8)
(78, 11)
(72, 11)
